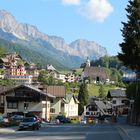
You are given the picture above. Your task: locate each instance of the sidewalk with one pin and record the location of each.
(132, 132)
(8, 129)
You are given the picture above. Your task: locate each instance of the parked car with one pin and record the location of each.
(1, 119)
(83, 121)
(17, 117)
(35, 116)
(63, 119)
(29, 123)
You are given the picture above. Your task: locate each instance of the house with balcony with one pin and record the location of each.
(25, 98)
(119, 100)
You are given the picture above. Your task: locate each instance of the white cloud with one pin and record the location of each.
(96, 10)
(71, 2)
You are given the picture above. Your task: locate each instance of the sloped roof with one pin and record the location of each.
(95, 72)
(101, 106)
(4, 60)
(50, 67)
(6, 89)
(116, 93)
(58, 91)
(68, 98)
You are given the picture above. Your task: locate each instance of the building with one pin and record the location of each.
(96, 74)
(70, 77)
(57, 104)
(63, 103)
(10, 59)
(97, 108)
(128, 75)
(71, 105)
(25, 99)
(14, 68)
(21, 80)
(118, 97)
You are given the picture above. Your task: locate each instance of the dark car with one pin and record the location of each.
(63, 119)
(17, 117)
(29, 123)
(35, 116)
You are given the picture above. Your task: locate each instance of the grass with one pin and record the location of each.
(93, 89)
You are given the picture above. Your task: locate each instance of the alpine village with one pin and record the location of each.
(61, 88)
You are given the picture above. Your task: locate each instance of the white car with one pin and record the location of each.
(83, 121)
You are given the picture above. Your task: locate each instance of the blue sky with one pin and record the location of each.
(94, 20)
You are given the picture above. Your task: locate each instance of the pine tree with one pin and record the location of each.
(82, 97)
(101, 91)
(130, 46)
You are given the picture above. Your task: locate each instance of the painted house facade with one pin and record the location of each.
(71, 106)
(63, 103)
(57, 104)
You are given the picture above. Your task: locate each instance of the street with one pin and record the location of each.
(67, 132)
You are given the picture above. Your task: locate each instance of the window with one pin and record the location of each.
(114, 102)
(52, 110)
(87, 113)
(12, 105)
(43, 105)
(51, 100)
(62, 104)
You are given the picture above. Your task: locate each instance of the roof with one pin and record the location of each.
(58, 91)
(95, 72)
(101, 106)
(40, 91)
(116, 93)
(4, 60)
(6, 89)
(50, 67)
(68, 98)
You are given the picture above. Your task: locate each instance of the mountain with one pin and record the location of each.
(51, 47)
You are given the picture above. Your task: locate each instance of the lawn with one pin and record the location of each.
(93, 89)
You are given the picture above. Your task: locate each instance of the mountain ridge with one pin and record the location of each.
(28, 35)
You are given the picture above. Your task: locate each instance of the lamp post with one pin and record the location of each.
(25, 107)
(131, 112)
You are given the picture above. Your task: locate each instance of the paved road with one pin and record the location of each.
(67, 132)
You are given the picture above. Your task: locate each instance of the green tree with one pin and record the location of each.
(130, 55)
(82, 97)
(50, 80)
(2, 50)
(101, 91)
(46, 78)
(7, 82)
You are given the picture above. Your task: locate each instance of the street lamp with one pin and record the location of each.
(131, 107)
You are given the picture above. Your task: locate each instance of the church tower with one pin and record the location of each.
(87, 62)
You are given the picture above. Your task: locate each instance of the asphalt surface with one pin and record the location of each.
(67, 132)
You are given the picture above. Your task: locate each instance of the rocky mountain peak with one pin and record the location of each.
(42, 43)
(22, 31)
